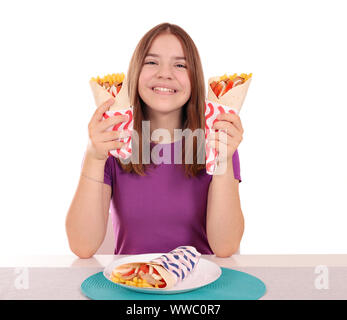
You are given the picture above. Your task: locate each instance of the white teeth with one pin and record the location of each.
(163, 89)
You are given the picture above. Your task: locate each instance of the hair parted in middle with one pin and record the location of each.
(193, 116)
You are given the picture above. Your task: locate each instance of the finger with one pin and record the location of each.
(98, 114)
(225, 138)
(112, 145)
(114, 135)
(220, 136)
(223, 148)
(112, 121)
(220, 147)
(216, 144)
(231, 117)
(228, 126)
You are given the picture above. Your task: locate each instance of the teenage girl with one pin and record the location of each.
(156, 208)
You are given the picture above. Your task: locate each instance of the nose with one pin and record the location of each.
(164, 71)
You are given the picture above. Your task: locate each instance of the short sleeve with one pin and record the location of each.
(108, 171)
(236, 166)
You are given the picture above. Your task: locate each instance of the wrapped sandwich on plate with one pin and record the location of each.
(225, 95)
(115, 86)
(163, 272)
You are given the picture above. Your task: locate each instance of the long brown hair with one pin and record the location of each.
(193, 111)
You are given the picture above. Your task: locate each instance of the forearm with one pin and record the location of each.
(86, 220)
(225, 222)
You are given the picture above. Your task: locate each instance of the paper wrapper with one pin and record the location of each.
(179, 262)
(212, 110)
(233, 98)
(101, 95)
(125, 151)
(121, 106)
(230, 102)
(174, 266)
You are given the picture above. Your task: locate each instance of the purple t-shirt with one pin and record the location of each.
(162, 210)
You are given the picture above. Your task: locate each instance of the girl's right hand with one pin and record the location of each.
(100, 140)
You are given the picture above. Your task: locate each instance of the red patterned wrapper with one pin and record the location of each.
(212, 110)
(121, 106)
(229, 102)
(125, 151)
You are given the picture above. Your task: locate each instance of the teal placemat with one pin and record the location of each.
(231, 285)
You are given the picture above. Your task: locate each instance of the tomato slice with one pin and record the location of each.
(219, 88)
(162, 285)
(213, 85)
(228, 87)
(155, 271)
(144, 268)
(128, 273)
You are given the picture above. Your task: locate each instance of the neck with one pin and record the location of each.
(168, 121)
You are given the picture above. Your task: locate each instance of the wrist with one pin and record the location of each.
(224, 170)
(90, 158)
(93, 168)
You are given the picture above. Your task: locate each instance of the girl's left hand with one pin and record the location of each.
(231, 123)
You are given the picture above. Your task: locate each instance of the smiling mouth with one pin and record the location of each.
(165, 91)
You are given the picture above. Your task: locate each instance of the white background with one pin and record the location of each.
(293, 156)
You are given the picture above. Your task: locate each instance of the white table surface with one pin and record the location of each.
(286, 276)
(65, 261)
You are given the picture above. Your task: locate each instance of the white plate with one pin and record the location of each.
(204, 273)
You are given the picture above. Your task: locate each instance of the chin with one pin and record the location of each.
(164, 109)
(163, 106)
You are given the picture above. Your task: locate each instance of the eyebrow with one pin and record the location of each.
(157, 56)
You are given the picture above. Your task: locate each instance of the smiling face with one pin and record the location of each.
(164, 83)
